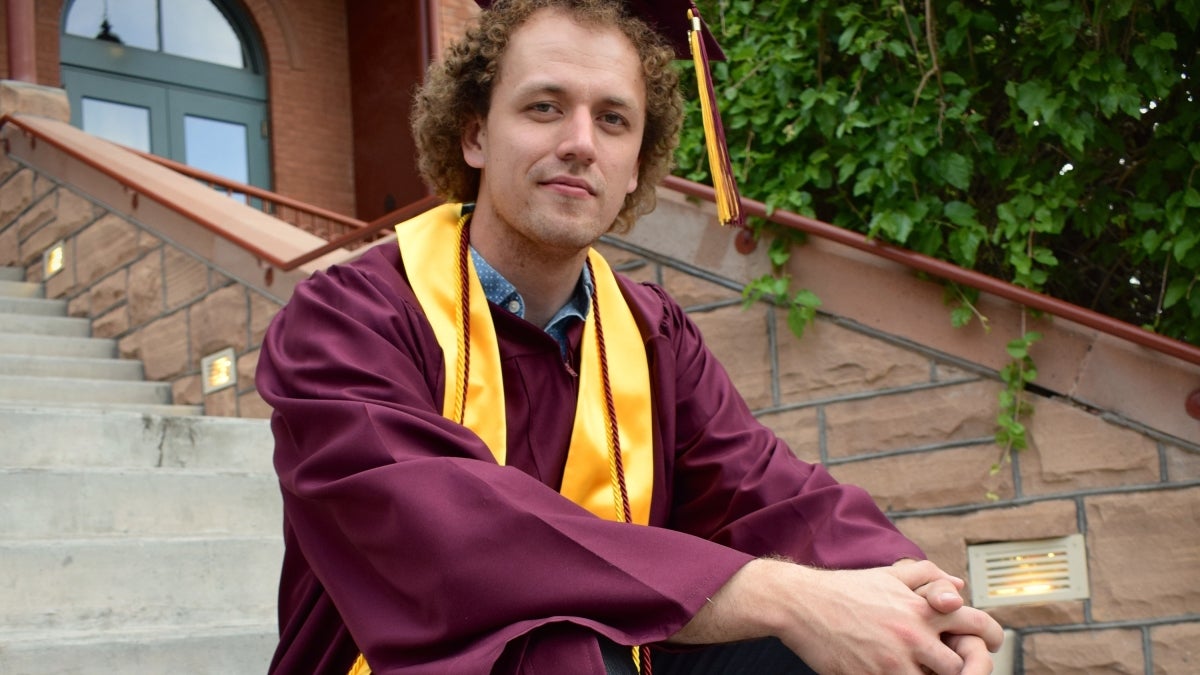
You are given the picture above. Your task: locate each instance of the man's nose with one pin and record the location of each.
(578, 141)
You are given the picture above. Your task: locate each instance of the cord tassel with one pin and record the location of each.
(728, 201)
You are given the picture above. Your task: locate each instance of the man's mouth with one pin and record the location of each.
(570, 185)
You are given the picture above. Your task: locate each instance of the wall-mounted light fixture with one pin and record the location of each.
(218, 370)
(1027, 572)
(54, 259)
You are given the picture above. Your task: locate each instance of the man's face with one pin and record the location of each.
(559, 148)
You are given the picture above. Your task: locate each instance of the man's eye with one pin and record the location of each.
(613, 119)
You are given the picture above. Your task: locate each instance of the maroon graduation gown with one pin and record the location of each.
(405, 540)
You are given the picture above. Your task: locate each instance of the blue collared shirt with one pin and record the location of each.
(501, 292)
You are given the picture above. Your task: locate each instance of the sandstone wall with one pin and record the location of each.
(915, 428)
(909, 423)
(162, 305)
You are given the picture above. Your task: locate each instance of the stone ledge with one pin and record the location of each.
(34, 99)
(1139, 384)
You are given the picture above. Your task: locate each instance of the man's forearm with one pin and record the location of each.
(881, 620)
(737, 611)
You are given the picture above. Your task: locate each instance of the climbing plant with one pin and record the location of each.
(1051, 144)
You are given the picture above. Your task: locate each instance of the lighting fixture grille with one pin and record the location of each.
(1026, 572)
(218, 371)
(53, 259)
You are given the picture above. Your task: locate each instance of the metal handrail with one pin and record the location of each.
(270, 203)
(357, 231)
(360, 232)
(952, 272)
(376, 226)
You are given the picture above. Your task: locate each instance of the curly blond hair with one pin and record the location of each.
(458, 89)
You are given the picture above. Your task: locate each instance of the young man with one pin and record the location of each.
(498, 456)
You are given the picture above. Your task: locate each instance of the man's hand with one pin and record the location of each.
(944, 595)
(852, 621)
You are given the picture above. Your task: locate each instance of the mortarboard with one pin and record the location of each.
(679, 22)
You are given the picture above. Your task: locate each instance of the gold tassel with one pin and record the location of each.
(360, 666)
(728, 201)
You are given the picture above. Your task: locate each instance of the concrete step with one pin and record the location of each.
(76, 438)
(57, 366)
(38, 306)
(49, 345)
(21, 289)
(164, 409)
(28, 324)
(12, 274)
(234, 649)
(130, 583)
(67, 390)
(94, 502)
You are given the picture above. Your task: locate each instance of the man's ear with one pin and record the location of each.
(474, 143)
(633, 180)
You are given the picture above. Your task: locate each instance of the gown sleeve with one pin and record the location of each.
(434, 556)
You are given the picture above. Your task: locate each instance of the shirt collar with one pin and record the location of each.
(499, 291)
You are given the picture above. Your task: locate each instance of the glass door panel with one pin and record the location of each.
(217, 146)
(221, 135)
(117, 122)
(117, 108)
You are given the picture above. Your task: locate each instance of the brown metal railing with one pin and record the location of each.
(312, 219)
(954, 273)
(353, 232)
(367, 232)
(340, 231)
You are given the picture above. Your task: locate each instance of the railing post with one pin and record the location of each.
(22, 51)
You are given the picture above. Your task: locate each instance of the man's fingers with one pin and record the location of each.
(915, 574)
(974, 653)
(941, 595)
(970, 621)
(937, 657)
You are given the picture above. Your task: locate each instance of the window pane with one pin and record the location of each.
(198, 30)
(135, 22)
(120, 123)
(216, 147)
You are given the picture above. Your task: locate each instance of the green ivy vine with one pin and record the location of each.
(1051, 144)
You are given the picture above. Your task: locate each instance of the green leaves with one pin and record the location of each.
(801, 306)
(957, 170)
(1050, 144)
(1014, 405)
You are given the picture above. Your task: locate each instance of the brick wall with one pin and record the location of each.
(308, 79)
(163, 306)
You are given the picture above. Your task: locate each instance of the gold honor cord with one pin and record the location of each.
(610, 464)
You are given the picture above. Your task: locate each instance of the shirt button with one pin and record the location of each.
(514, 306)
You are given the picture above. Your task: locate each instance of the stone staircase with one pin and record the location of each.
(136, 536)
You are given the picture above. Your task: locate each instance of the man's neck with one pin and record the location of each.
(545, 282)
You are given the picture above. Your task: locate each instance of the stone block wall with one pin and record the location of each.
(910, 424)
(915, 428)
(163, 306)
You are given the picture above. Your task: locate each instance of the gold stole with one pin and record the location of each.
(429, 247)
